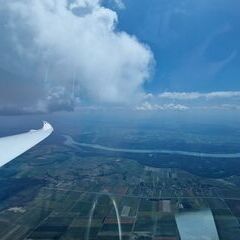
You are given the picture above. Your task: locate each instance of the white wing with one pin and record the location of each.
(13, 146)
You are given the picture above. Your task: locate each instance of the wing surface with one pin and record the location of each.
(13, 146)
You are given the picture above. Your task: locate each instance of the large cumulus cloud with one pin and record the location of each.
(56, 51)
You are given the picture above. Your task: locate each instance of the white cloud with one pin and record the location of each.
(197, 95)
(120, 4)
(221, 100)
(223, 94)
(223, 107)
(78, 38)
(180, 95)
(148, 96)
(147, 106)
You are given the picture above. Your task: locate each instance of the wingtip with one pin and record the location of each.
(47, 126)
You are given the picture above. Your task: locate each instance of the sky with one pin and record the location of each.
(148, 55)
(195, 43)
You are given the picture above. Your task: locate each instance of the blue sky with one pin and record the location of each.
(195, 43)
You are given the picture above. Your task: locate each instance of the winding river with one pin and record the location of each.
(71, 142)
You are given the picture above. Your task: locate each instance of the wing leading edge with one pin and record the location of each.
(13, 146)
